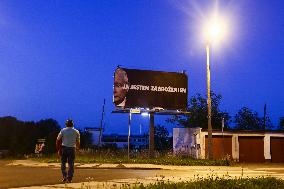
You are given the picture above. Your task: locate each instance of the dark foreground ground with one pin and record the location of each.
(19, 176)
(22, 173)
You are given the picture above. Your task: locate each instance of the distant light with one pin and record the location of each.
(145, 114)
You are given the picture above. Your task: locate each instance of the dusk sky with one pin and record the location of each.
(57, 58)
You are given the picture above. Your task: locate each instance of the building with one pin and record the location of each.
(96, 133)
(120, 141)
(242, 146)
(137, 142)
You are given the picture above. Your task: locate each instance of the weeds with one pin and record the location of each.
(120, 156)
(212, 182)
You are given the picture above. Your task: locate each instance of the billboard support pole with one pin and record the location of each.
(151, 136)
(128, 139)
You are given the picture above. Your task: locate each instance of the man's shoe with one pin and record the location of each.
(64, 180)
(69, 180)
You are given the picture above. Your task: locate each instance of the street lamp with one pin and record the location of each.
(215, 30)
(210, 150)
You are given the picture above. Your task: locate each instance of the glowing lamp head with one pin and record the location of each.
(215, 30)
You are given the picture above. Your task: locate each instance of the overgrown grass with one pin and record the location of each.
(217, 183)
(118, 157)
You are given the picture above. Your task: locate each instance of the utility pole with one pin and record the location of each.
(101, 124)
(264, 116)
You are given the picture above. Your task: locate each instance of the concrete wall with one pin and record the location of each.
(267, 151)
(191, 141)
(186, 142)
(235, 147)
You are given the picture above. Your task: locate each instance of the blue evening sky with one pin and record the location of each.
(57, 57)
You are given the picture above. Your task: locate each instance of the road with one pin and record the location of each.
(23, 173)
(19, 176)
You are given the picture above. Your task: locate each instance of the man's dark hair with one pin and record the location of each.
(69, 123)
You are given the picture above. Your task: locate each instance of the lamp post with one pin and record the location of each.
(214, 31)
(210, 149)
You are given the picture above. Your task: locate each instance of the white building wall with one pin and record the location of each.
(181, 141)
(202, 145)
(186, 141)
(267, 145)
(235, 147)
(191, 142)
(267, 154)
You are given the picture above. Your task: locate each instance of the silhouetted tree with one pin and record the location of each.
(49, 129)
(86, 139)
(162, 140)
(247, 119)
(281, 123)
(20, 137)
(198, 113)
(7, 127)
(17, 136)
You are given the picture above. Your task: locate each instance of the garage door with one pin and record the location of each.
(222, 146)
(277, 149)
(251, 149)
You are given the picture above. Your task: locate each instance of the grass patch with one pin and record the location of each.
(157, 161)
(118, 158)
(217, 183)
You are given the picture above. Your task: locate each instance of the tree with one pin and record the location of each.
(7, 127)
(247, 119)
(281, 123)
(20, 137)
(198, 113)
(49, 129)
(162, 140)
(86, 140)
(17, 136)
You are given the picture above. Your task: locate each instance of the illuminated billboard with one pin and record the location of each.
(135, 88)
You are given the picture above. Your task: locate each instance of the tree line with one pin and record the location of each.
(21, 137)
(245, 119)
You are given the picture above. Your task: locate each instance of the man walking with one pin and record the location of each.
(69, 137)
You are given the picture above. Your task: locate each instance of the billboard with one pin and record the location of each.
(135, 88)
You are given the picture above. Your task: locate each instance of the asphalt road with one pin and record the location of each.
(19, 176)
(22, 173)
